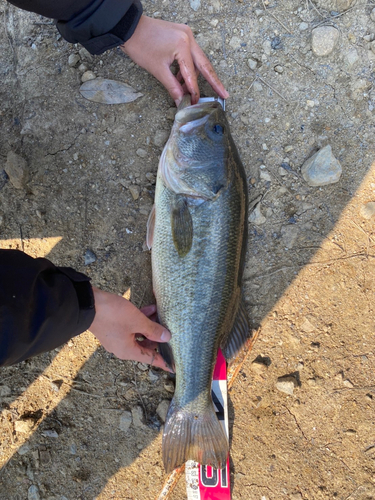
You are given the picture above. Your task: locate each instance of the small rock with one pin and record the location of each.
(169, 386)
(162, 409)
(141, 153)
(83, 67)
(17, 170)
(252, 63)
(286, 384)
(195, 4)
(23, 449)
(89, 257)
(307, 327)
(296, 496)
(372, 46)
(5, 390)
(265, 176)
(23, 426)
(303, 26)
(73, 60)
(372, 15)
(367, 211)
(88, 75)
(352, 57)
(267, 47)
(134, 191)
(150, 177)
(50, 433)
(279, 69)
(235, 42)
(257, 86)
(261, 363)
(44, 457)
(142, 366)
(276, 43)
(288, 148)
(125, 421)
(161, 138)
(256, 216)
(324, 40)
(33, 493)
(347, 383)
(289, 235)
(85, 54)
(342, 5)
(310, 103)
(154, 377)
(138, 418)
(322, 168)
(214, 22)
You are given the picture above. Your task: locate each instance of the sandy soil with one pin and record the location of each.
(309, 280)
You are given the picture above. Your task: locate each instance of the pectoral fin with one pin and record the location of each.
(239, 334)
(182, 226)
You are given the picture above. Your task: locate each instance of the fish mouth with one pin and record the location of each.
(194, 116)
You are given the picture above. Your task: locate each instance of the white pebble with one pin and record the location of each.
(88, 75)
(73, 60)
(162, 409)
(324, 40)
(252, 63)
(33, 493)
(367, 211)
(125, 421)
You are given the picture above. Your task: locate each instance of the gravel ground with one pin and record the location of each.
(77, 182)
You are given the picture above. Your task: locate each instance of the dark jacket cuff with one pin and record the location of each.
(41, 306)
(102, 27)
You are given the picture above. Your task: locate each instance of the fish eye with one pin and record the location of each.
(218, 129)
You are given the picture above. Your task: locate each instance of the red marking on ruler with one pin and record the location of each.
(204, 482)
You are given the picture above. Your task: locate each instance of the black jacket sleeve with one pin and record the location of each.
(41, 306)
(98, 25)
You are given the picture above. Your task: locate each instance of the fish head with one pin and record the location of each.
(196, 155)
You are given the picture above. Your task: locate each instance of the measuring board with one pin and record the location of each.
(204, 482)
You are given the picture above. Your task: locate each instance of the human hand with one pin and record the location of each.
(155, 44)
(118, 322)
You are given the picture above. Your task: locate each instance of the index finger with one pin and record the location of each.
(188, 72)
(205, 67)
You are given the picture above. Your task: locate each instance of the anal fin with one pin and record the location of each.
(239, 334)
(165, 351)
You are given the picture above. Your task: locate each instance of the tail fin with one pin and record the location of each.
(190, 435)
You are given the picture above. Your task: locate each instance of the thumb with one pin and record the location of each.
(156, 332)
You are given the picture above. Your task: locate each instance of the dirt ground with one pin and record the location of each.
(79, 424)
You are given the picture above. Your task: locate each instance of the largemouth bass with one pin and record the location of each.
(198, 233)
